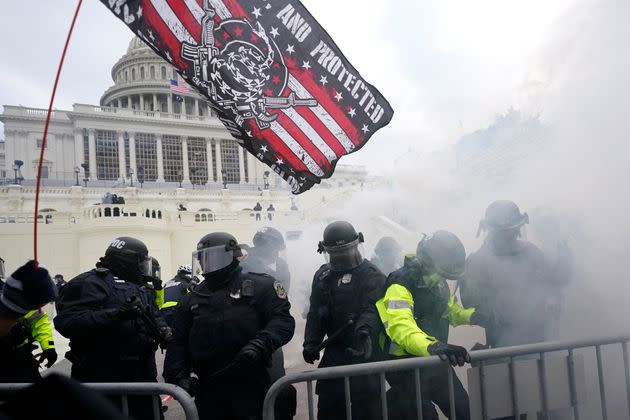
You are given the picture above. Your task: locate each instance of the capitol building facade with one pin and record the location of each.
(140, 132)
(177, 169)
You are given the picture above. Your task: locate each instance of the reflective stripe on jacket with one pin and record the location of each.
(41, 329)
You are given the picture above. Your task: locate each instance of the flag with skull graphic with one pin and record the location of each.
(272, 74)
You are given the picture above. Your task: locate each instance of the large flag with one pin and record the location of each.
(278, 82)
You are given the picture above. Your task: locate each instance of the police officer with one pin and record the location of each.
(174, 290)
(507, 271)
(265, 258)
(415, 312)
(387, 255)
(22, 323)
(153, 284)
(112, 323)
(340, 297)
(225, 332)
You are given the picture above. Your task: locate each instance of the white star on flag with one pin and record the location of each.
(290, 49)
(338, 96)
(168, 56)
(263, 149)
(323, 80)
(274, 32)
(249, 133)
(151, 35)
(139, 14)
(256, 12)
(365, 129)
(279, 161)
(352, 112)
(306, 65)
(268, 6)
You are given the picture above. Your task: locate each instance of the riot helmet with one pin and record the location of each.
(442, 253)
(269, 237)
(216, 251)
(128, 259)
(503, 215)
(388, 253)
(185, 270)
(341, 245)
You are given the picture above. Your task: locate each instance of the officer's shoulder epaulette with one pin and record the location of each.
(101, 271)
(322, 272)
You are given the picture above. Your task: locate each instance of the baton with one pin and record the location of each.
(334, 335)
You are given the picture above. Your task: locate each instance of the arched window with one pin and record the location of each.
(142, 73)
(197, 218)
(147, 214)
(152, 71)
(126, 76)
(163, 72)
(133, 74)
(116, 212)
(159, 214)
(153, 215)
(108, 212)
(204, 218)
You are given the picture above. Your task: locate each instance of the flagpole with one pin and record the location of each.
(43, 148)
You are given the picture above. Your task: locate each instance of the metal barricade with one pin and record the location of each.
(124, 390)
(506, 365)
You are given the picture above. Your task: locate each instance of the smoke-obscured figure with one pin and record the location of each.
(340, 300)
(509, 279)
(387, 255)
(265, 258)
(112, 322)
(225, 331)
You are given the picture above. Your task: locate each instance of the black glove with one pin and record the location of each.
(362, 347)
(131, 309)
(166, 336)
(189, 385)
(456, 355)
(49, 355)
(310, 354)
(482, 319)
(253, 354)
(157, 283)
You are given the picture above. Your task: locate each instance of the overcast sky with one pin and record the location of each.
(447, 67)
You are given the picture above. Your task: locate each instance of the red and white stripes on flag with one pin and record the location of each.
(179, 88)
(306, 138)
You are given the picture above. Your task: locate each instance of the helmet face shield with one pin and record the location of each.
(2, 273)
(209, 260)
(146, 266)
(344, 257)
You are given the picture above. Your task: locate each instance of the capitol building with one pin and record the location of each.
(177, 169)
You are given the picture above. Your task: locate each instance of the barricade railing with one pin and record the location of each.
(494, 380)
(124, 390)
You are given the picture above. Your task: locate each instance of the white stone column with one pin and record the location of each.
(241, 165)
(197, 108)
(155, 104)
(209, 160)
(92, 152)
(122, 166)
(251, 169)
(217, 146)
(132, 154)
(78, 147)
(169, 101)
(129, 102)
(160, 158)
(186, 179)
(119, 103)
(141, 102)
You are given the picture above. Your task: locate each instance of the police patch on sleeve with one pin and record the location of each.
(279, 288)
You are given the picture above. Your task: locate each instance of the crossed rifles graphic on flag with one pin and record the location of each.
(248, 65)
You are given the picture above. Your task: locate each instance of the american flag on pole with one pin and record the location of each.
(177, 88)
(278, 82)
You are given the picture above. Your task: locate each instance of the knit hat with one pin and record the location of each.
(26, 289)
